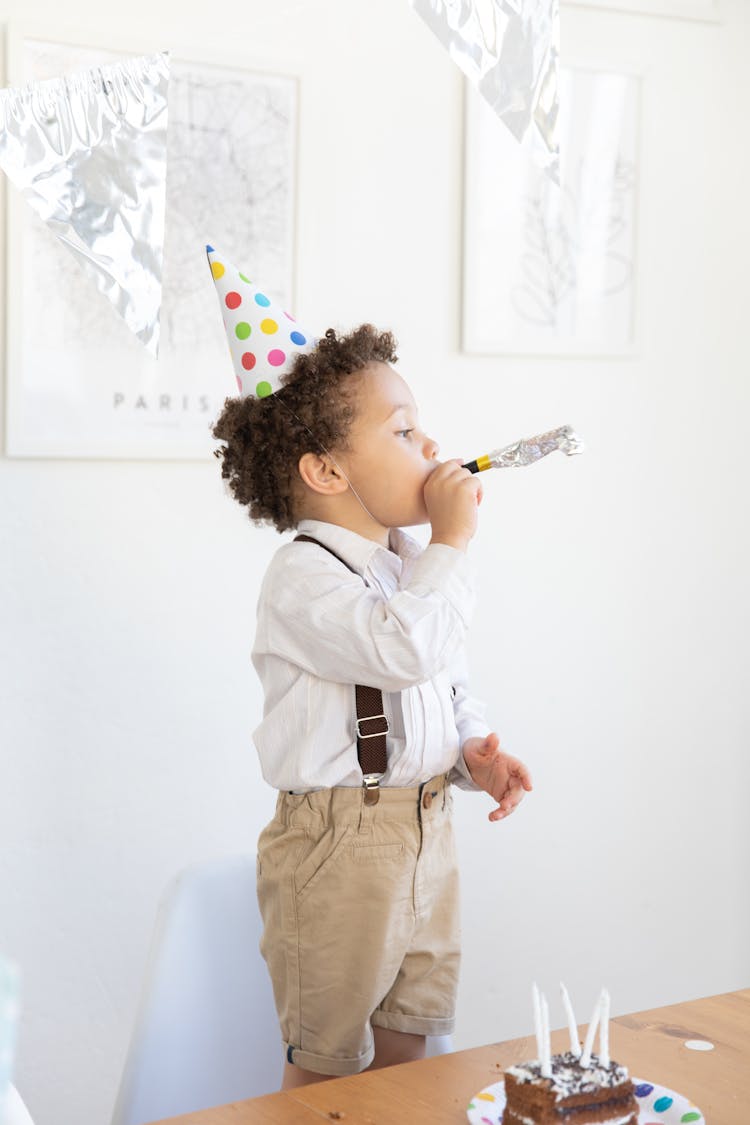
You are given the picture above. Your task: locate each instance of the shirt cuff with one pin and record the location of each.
(459, 776)
(449, 571)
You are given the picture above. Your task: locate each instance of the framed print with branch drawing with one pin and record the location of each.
(550, 270)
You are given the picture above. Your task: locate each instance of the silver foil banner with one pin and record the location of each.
(89, 153)
(529, 450)
(510, 50)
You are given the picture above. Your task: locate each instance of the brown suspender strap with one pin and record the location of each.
(372, 725)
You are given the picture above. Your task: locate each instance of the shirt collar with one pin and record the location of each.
(357, 550)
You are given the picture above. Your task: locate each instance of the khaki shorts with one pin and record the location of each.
(360, 919)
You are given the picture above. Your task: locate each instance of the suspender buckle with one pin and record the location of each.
(371, 783)
(375, 733)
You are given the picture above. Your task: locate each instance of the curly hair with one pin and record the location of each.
(264, 441)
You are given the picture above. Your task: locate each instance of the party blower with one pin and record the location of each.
(528, 450)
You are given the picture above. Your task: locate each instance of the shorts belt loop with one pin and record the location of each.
(366, 812)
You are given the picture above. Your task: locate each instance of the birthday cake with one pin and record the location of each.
(573, 1094)
(574, 1088)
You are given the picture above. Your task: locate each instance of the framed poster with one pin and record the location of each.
(550, 270)
(79, 383)
(707, 10)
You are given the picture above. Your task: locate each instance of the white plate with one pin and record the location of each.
(658, 1105)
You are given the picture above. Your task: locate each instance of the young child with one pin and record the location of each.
(357, 875)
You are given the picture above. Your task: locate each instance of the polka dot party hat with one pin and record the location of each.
(263, 339)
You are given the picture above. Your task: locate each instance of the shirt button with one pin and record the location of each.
(426, 800)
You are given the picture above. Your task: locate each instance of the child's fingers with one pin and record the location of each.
(505, 807)
(526, 779)
(523, 775)
(491, 743)
(518, 792)
(510, 801)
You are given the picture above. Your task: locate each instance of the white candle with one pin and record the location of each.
(546, 1055)
(591, 1032)
(575, 1043)
(537, 1020)
(604, 1031)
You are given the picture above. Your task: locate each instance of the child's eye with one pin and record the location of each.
(404, 431)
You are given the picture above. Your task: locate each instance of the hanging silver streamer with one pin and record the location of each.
(89, 154)
(510, 50)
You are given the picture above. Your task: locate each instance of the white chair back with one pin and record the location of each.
(16, 1112)
(206, 1030)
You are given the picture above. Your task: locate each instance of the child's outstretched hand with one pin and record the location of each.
(503, 777)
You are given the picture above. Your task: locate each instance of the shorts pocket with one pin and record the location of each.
(376, 853)
(323, 854)
(278, 850)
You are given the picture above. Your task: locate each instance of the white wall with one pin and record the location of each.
(611, 638)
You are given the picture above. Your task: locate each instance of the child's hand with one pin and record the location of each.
(503, 777)
(452, 495)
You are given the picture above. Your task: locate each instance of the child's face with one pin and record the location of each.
(392, 457)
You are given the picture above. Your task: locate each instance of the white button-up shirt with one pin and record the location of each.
(321, 629)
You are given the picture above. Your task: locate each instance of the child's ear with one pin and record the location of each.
(320, 474)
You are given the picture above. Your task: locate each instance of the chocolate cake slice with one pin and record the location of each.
(597, 1094)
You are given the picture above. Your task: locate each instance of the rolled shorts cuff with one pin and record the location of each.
(413, 1025)
(322, 1064)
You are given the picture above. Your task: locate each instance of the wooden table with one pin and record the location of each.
(436, 1091)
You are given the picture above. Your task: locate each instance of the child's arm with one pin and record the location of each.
(469, 713)
(482, 765)
(323, 618)
(331, 624)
